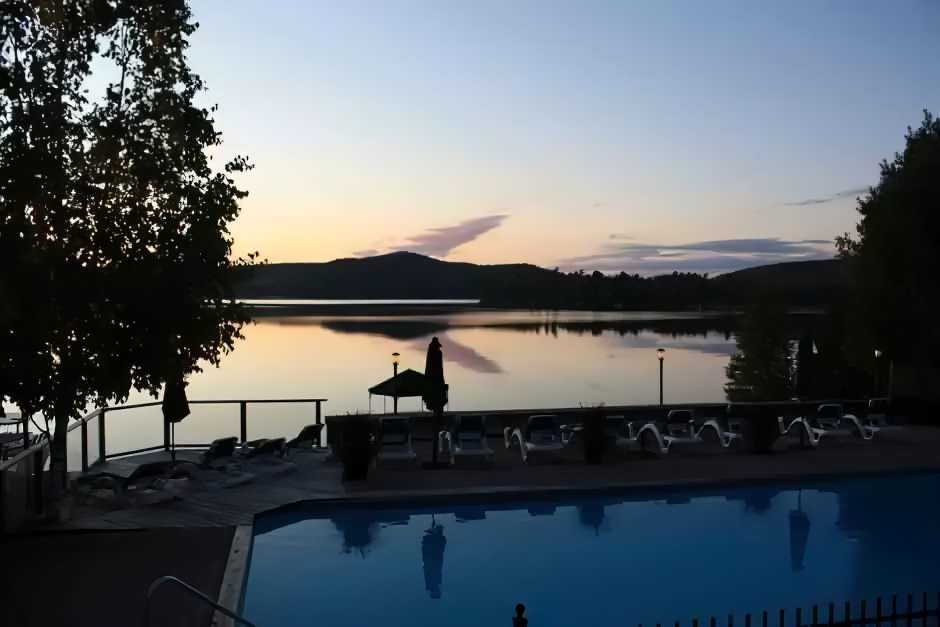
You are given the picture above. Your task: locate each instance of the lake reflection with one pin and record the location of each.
(507, 359)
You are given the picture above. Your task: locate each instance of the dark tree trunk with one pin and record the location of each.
(58, 460)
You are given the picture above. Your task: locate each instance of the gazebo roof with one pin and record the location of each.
(405, 384)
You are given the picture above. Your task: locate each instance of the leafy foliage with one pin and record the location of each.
(113, 224)
(896, 250)
(762, 367)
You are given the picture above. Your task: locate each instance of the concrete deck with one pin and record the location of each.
(213, 498)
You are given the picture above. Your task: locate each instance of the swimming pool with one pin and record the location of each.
(635, 557)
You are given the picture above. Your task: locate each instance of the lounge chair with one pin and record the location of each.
(681, 428)
(276, 447)
(829, 421)
(467, 440)
(635, 435)
(309, 437)
(395, 442)
(219, 450)
(541, 435)
(878, 418)
(123, 477)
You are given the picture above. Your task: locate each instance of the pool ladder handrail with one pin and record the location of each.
(176, 581)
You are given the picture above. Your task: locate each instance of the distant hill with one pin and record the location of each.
(405, 275)
(797, 282)
(395, 275)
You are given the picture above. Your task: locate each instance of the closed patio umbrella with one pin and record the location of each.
(436, 395)
(432, 555)
(799, 534)
(175, 407)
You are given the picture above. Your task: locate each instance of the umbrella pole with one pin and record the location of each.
(173, 442)
(434, 431)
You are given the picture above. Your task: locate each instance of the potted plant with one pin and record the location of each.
(593, 437)
(356, 447)
(761, 428)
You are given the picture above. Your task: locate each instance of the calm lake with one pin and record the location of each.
(493, 359)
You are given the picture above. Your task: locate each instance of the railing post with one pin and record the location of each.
(243, 411)
(84, 429)
(102, 448)
(319, 416)
(3, 505)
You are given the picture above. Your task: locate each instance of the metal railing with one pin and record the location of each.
(21, 486)
(243, 404)
(21, 477)
(195, 593)
(861, 614)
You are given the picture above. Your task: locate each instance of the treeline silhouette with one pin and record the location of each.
(411, 276)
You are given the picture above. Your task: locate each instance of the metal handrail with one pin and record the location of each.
(176, 581)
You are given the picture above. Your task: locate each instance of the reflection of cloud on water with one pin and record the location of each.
(462, 355)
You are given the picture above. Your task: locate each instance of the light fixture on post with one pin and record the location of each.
(661, 355)
(396, 357)
(878, 355)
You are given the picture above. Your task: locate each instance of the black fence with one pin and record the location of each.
(908, 610)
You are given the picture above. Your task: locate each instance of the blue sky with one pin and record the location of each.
(614, 135)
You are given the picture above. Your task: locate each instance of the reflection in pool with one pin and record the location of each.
(649, 556)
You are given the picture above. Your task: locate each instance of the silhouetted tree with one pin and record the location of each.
(895, 253)
(113, 225)
(805, 362)
(762, 367)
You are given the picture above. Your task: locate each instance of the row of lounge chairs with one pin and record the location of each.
(545, 434)
(125, 477)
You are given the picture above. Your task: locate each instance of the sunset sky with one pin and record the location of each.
(637, 136)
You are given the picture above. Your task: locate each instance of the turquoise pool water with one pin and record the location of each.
(635, 557)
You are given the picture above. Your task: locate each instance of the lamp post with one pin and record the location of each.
(395, 359)
(661, 355)
(878, 354)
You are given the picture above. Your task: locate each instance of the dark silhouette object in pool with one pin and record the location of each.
(358, 533)
(799, 534)
(519, 620)
(432, 552)
(592, 515)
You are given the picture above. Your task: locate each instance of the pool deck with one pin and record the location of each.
(109, 550)
(209, 500)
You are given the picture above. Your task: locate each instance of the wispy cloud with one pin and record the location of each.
(714, 256)
(848, 193)
(441, 241)
(438, 241)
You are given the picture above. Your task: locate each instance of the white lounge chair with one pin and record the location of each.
(541, 435)
(636, 435)
(829, 421)
(877, 419)
(395, 442)
(467, 440)
(681, 428)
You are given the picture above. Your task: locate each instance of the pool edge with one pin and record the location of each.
(231, 591)
(504, 493)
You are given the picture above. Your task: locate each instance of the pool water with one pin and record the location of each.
(628, 558)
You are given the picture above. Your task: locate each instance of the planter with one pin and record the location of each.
(761, 430)
(356, 448)
(593, 437)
